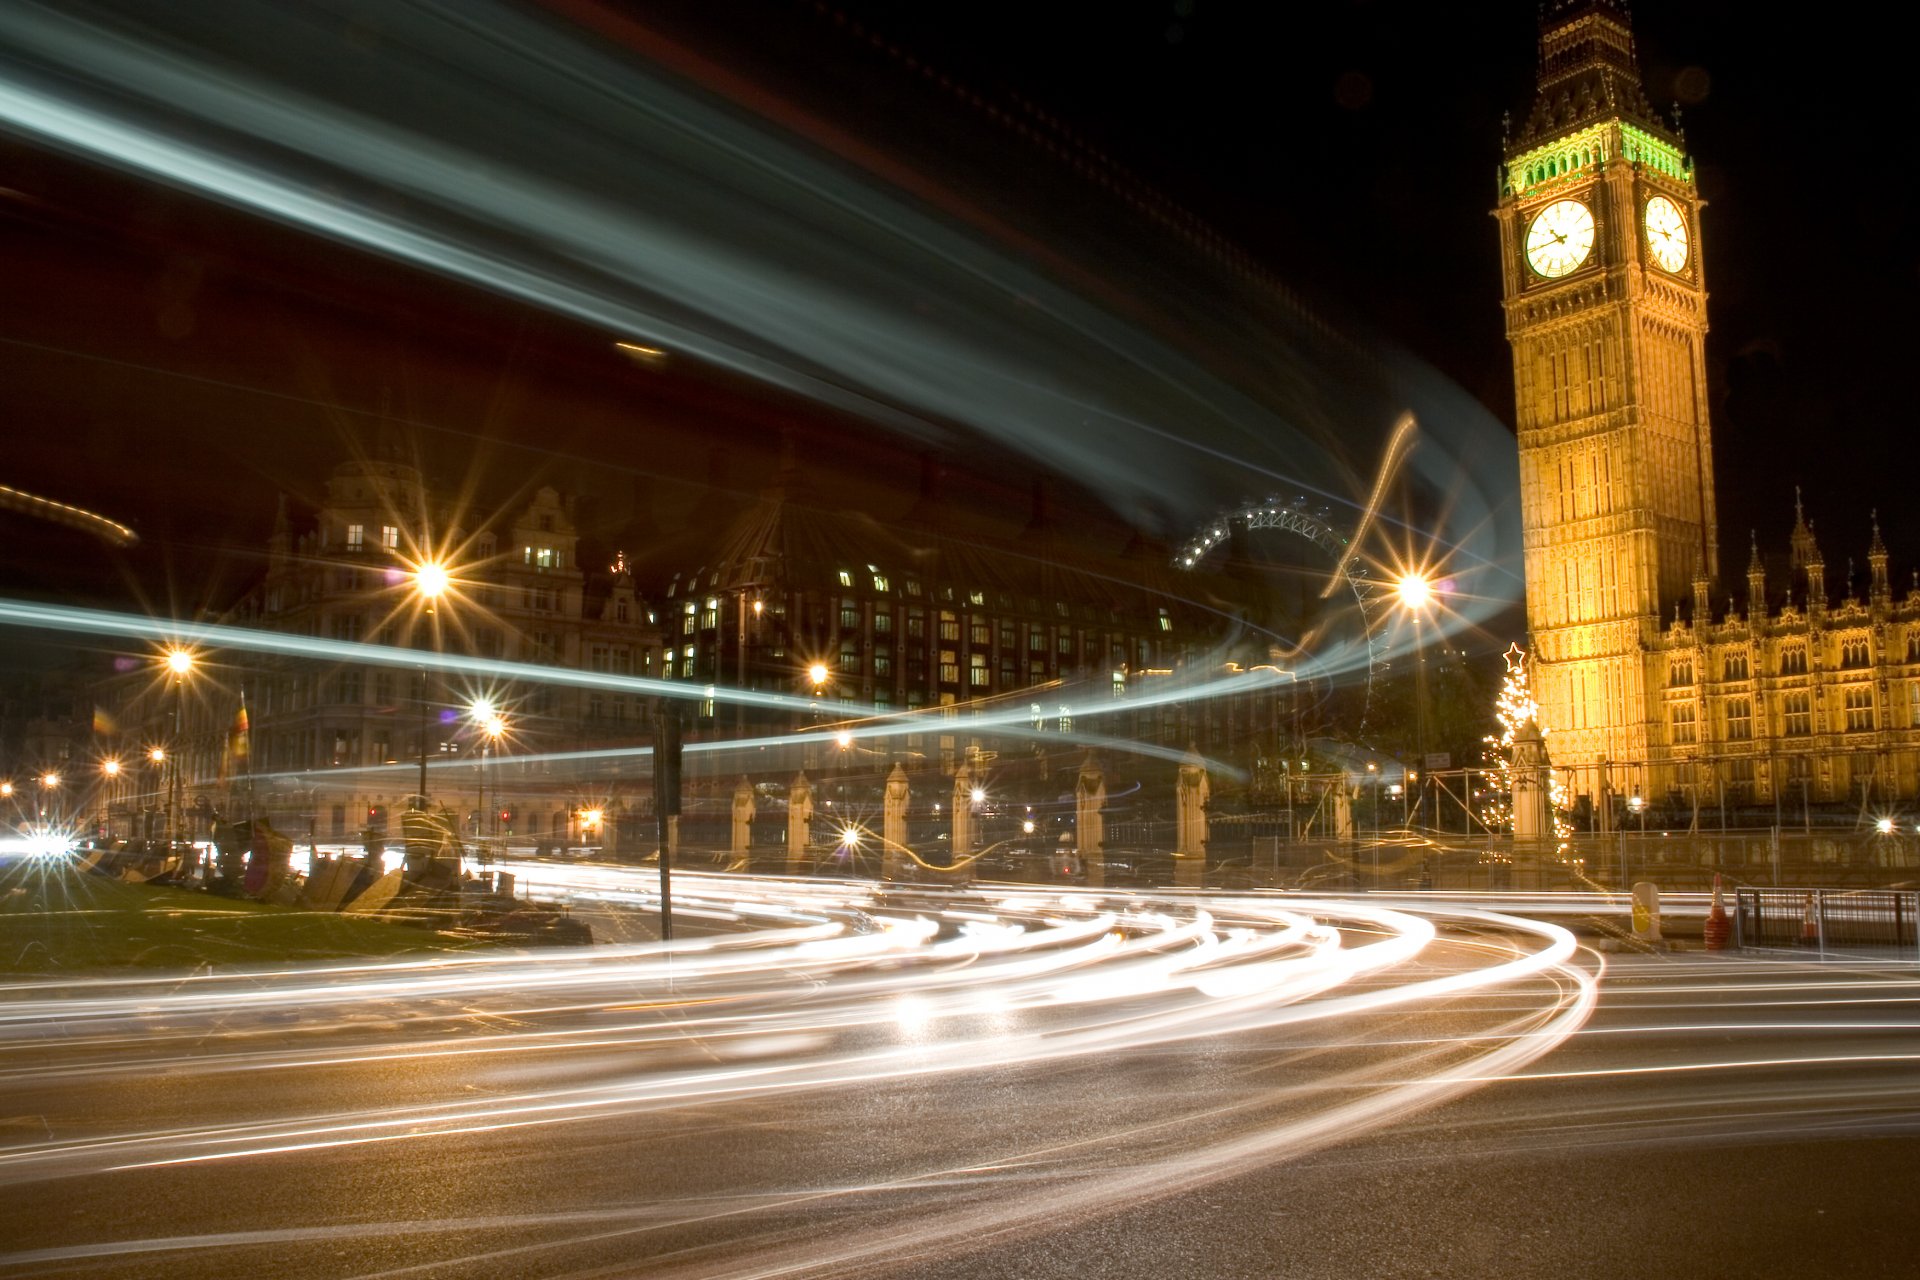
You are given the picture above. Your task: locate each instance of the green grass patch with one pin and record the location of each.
(55, 918)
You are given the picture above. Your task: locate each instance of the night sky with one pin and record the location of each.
(177, 364)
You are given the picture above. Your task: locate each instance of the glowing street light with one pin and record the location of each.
(1414, 590)
(978, 794)
(844, 738)
(158, 755)
(1884, 826)
(431, 579)
(111, 768)
(817, 673)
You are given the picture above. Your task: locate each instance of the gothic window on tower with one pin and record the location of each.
(1793, 660)
(1796, 714)
(1739, 720)
(1680, 673)
(1736, 666)
(1855, 652)
(1859, 702)
(1683, 725)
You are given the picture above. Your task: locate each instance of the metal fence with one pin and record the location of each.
(1828, 919)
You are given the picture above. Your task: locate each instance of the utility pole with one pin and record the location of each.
(666, 799)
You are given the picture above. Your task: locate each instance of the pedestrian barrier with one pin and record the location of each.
(1884, 920)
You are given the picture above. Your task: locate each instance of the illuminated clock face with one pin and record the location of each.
(1560, 238)
(1666, 233)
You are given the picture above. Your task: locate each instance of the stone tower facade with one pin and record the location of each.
(1606, 310)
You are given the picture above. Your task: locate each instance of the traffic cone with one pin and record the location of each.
(1718, 927)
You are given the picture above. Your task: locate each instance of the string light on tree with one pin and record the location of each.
(1514, 709)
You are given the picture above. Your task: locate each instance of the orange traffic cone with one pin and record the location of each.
(1718, 927)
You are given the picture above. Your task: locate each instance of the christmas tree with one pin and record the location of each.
(1513, 708)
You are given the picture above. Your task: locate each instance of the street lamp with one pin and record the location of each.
(179, 663)
(817, 677)
(430, 581)
(1414, 590)
(49, 781)
(492, 726)
(110, 770)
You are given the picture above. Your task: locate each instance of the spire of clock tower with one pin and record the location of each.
(1588, 72)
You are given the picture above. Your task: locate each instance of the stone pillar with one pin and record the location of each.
(1190, 796)
(960, 843)
(743, 811)
(1532, 799)
(893, 824)
(799, 819)
(1532, 806)
(1089, 819)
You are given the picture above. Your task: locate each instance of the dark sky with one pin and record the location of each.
(176, 364)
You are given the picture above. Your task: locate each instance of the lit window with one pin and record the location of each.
(1119, 684)
(846, 578)
(880, 582)
(1683, 727)
(976, 597)
(390, 537)
(1166, 623)
(356, 537)
(1796, 713)
(1859, 701)
(977, 674)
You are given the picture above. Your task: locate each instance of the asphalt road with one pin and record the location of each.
(1009, 1084)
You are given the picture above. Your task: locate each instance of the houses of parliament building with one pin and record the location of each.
(1659, 676)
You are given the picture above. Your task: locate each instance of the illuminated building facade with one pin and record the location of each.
(349, 733)
(1605, 299)
(917, 618)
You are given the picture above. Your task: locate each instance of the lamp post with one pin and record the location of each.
(1414, 591)
(430, 581)
(49, 783)
(492, 726)
(179, 664)
(817, 676)
(157, 757)
(110, 773)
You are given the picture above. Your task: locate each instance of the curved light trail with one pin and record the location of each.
(688, 214)
(807, 988)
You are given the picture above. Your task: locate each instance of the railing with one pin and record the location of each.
(1828, 919)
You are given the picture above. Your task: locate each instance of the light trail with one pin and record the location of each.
(1341, 1017)
(867, 986)
(690, 215)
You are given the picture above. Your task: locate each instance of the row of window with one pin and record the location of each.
(1855, 653)
(1796, 714)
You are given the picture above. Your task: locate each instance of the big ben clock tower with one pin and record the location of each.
(1606, 308)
